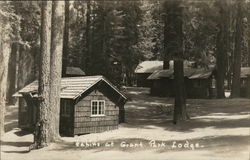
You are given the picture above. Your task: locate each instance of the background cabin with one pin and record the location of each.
(89, 104)
(145, 69)
(162, 83)
(245, 82)
(74, 72)
(198, 82)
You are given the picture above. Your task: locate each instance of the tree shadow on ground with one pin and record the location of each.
(11, 116)
(21, 133)
(16, 144)
(24, 151)
(145, 111)
(24, 144)
(10, 125)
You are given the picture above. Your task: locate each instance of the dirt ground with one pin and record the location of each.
(219, 129)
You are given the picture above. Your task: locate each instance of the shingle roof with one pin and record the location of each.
(74, 71)
(191, 73)
(71, 87)
(245, 71)
(149, 66)
(160, 74)
(200, 74)
(152, 66)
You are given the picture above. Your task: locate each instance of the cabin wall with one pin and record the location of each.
(248, 87)
(245, 87)
(85, 123)
(66, 125)
(27, 113)
(23, 118)
(142, 80)
(162, 87)
(198, 88)
(195, 88)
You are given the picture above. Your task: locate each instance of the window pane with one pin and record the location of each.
(94, 108)
(100, 110)
(101, 106)
(94, 103)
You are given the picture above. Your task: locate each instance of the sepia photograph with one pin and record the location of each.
(125, 80)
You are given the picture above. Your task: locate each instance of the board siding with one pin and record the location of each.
(85, 123)
(66, 121)
(165, 88)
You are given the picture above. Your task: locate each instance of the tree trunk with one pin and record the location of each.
(237, 53)
(12, 74)
(56, 65)
(222, 48)
(42, 131)
(248, 42)
(248, 45)
(2, 103)
(4, 60)
(248, 36)
(87, 60)
(180, 112)
(174, 40)
(166, 53)
(65, 39)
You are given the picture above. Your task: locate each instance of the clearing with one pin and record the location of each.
(218, 130)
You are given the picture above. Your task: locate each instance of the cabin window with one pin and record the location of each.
(97, 107)
(66, 108)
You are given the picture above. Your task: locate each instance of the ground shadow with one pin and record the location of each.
(21, 133)
(16, 144)
(144, 111)
(10, 125)
(11, 118)
(25, 151)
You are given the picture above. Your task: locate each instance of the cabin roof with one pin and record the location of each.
(71, 87)
(160, 74)
(245, 72)
(75, 71)
(149, 66)
(190, 73)
(153, 66)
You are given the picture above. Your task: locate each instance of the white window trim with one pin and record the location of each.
(104, 107)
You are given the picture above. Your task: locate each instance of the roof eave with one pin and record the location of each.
(101, 79)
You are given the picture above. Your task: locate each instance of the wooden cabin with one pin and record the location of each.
(89, 104)
(198, 83)
(245, 82)
(145, 69)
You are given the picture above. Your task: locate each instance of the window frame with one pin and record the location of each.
(97, 111)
